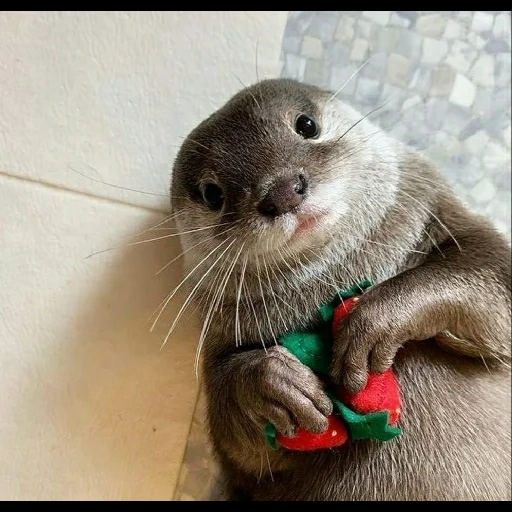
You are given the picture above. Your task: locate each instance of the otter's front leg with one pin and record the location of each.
(247, 389)
(460, 295)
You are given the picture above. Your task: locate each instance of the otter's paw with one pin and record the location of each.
(366, 341)
(285, 392)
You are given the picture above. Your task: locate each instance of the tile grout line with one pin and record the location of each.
(56, 187)
(177, 486)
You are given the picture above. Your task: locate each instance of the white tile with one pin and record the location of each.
(380, 17)
(453, 30)
(434, 51)
(412, 102)
(482, 21)
(359, 49)
(311, 47)
(118, 90)
(346, 29)
(495, 155)
(502, 27)
(484, 191)
(90, 408)
(507, 135)
(483, 71)
(463, 92)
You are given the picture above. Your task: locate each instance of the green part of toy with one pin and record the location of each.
(270, 435)
(313, 349)
(366, 426)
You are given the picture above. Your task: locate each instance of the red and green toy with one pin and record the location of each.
(372, 413)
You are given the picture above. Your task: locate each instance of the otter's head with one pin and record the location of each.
(281, 168)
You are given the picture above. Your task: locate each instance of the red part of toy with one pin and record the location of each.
(381, 392)
(335, 435)
(341, 312)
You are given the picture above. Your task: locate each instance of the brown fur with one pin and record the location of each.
(439, 312)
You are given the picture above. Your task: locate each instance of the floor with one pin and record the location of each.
(447, 77)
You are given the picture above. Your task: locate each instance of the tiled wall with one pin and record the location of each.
(446, 75)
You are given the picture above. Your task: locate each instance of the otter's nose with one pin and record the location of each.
(285, 195)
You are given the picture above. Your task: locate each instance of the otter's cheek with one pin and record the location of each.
(330, 197)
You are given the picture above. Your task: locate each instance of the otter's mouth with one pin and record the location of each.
(306, 223)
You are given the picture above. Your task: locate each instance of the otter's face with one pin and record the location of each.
(278, 169)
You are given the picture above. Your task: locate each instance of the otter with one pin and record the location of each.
(286, 195)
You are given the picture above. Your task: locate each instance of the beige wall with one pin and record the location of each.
(89, 406)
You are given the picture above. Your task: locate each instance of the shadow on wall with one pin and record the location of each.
(118, 409)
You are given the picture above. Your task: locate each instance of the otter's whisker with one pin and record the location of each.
(161, 307)
(264, 301)
(362, 119)
(276, 265)
(192, 293)
(215, 304)
(397, 204)
(443, 226)
(224, 282)
(315, 276)
(269, 468)
(347, 81)
(289, 306)
(173, 293)
(498, 358)
(138, 242)
(414, 176)
(195, 142)
(256, 68)
(382, 244)
(353, 278)
(238, 332)
(168, 218)
(485, 363)
(256, 320)
(193, 247)
(294, 288)
(248, 90)
(273, 293)
(212, 287)
(113, 185)
(209, 315)
(331, 284)
(261, 468)
(429, 236)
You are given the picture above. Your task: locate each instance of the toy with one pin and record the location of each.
(372, 413)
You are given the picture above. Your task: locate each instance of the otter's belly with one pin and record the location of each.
(455, 443)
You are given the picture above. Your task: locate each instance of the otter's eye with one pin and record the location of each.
(306, 127)
(213, 196)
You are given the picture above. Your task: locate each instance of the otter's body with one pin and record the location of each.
(295, 197)
(453, 446)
